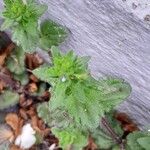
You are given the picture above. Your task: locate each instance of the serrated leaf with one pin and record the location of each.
(113, 92)
(132, 140)
(144, 142)
(25, 39)
(71, 137)
(114, 123)
(40, 9)
(15, 63)
(22, 19)
(57, 118)
(6, 24)
(52, 34)
(8, 99)
(64, 65)
(45, 73)
(76, 92)
(101, 139)
(64, 97)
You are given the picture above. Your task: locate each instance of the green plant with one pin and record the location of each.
(79, 102)
(16, 64)
(51, 34)
(22, 17)
(71, 138)
(104, 139)
(8, 99)
(139, 140)
(82, 99)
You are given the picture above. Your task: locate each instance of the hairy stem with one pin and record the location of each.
(112, 133)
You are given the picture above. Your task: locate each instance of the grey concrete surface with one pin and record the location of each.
(117, 37)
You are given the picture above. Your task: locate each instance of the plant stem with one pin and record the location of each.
(113, 134)
(110, 130)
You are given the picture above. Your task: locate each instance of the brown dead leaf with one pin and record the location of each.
(46, 132)
(2, 59)
(14, 147)
(41, 124)
(5, 53)
(31, 112)
(32, 87)
(33, 78)
(91, 145)
(46, 96)
(23, 114)
(33, 61)
(2, 86)
(12, 120)
(24, 103)
(130, 127)
(127, 124)
(34, 123)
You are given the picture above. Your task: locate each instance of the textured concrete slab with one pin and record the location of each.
(117, 37)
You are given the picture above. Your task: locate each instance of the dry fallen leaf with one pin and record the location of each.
(126, 123)
(12, 120)
(23, 114)
(32, 87)
(31, 112)
(2, 86)
(91, 145)
(24, 103)
(33, 78)
(33, 61)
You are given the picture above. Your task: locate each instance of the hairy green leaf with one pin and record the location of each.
(71, 137)
(73, 89)
(101, 139)
(113, 92)
(58, 118)
(65, 67)
(15, 63)
(23, 20)
(137, 140)
(144, 142)
(52, 34)
(8, 99)
(114, 123)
